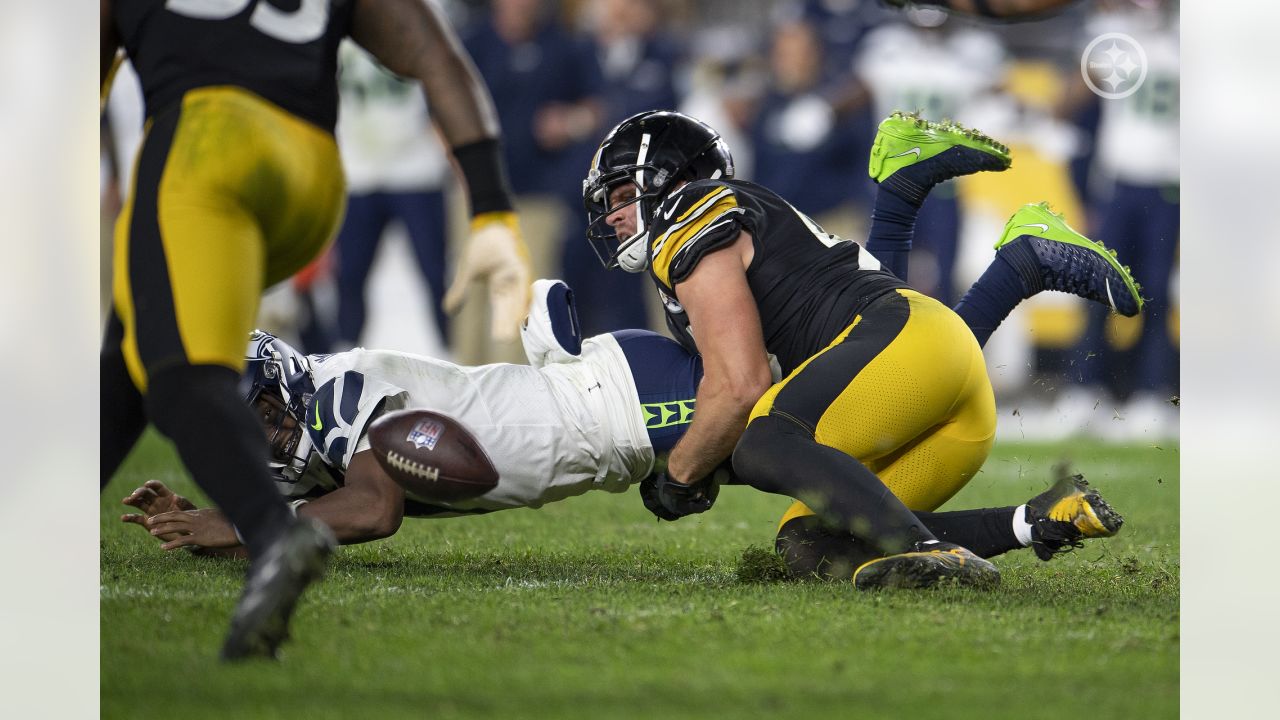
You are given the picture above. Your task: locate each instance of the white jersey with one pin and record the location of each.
(1138, 134)
(940, 72)
(552, 432)
(384, 131)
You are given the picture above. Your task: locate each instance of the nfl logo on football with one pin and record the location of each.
(426, 434)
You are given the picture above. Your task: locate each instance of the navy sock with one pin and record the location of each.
(893, 223)
(1011, 277)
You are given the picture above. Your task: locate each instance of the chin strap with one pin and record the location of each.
(635, 258)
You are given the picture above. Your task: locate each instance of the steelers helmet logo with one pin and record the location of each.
(1114, 65)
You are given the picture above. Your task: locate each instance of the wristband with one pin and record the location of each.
(484, 175)
(502, 217)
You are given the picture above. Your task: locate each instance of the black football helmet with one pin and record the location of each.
(274, 366)
(653, 151)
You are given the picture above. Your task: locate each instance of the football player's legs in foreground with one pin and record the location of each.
(200, 237)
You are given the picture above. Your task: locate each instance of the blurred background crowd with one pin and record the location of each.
(796, 87)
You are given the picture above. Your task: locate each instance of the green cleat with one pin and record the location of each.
(929, 564)
(911, 155)
(1067, 513)
(1070, 262)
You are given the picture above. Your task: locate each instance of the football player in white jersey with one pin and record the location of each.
(599, 413)
(576, 419)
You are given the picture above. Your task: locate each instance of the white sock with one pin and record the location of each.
(1021, 528)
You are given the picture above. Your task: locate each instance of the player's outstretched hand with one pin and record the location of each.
(670, 500)
(495, 252)
(205, 528)
(154, 498)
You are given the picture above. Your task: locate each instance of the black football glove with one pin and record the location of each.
(670, 500)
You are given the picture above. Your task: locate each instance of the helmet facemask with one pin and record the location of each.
(277, 383)
(603, 200)
(653, 152)
(283, 422)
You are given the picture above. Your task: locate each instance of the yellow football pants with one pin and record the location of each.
(231, 194)
(904, 390)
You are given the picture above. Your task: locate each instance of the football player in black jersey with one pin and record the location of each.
(360, 502)
(239, 185)
(883, 406)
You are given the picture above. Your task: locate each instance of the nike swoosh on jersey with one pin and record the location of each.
(691, 215)
(318, 424)
(914, 150)
(1043, 228)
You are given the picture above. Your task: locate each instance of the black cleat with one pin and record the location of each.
(1067, 513)
(274, 583)
(928, 564)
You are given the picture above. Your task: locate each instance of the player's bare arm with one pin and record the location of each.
(1001, 9)
(735, 364)
(413, 39)
(1008, 9)
(369, 506)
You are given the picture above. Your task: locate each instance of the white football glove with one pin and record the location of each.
(495, 252)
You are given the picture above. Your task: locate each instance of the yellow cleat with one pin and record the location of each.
(1067, 513)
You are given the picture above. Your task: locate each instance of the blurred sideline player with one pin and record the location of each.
(883, 406)
(944, 67)
(1137, 151)
(238, 185)
(599, 413)
(396, 170)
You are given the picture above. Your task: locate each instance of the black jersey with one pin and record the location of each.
(808, 284)
(287, 52)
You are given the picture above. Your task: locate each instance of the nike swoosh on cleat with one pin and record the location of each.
(1110, 300)
(1043, 228)
(914, 150)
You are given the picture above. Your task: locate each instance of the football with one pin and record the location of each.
(432, 455)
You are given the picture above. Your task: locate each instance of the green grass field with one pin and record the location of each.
(590, 608)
